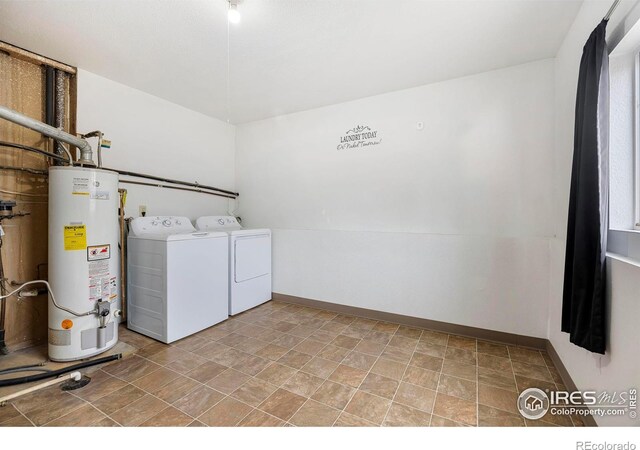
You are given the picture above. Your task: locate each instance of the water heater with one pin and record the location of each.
(84, 269)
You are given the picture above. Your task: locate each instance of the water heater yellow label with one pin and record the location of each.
(75, 237)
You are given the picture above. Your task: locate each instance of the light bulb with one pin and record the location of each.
(234, 14)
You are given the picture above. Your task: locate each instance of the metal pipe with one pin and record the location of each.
(61, 77)
(169, 180)
(99, 135)
(86, 153)
(178, 188)
(612, 9)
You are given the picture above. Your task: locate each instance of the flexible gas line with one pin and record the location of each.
(53, 298)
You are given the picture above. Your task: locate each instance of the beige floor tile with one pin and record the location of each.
(397, 354)
(456, 409)
(460, 355)
(288, 341)
(198, 401)
(282, 404)
(295, 359)
(437, 421)
(389, 368)
(20, 421)
(379, 385)
(319, 367)
(355, 332)
(421, 377)
(334, 327)
(462, 342)
(206, 371)
(370, 348)
(333, 353)
(192, 343)
(101, 384)
(106, 422)
(526, 355)
(233, 339)
(8, 412)
(252, 365)
(502, 379)
(314, 414)
(532, 371)
(431, 349)
(228, 381)
(348, 375)
(175, 389)
(368, 406)
(386, 327)
(85, 416)
(377, 337)
(334, 394)
(154, 380)
(345, 342)
(493, 349)
(276, 374)
(435, 337)
(139, 411)
(186, 363)
(359, 360)
(168, 417)
(303, 384)
(403, 343)
(349, 420)
(167, 355)
(492, 417)
(405, 416)
(213, 334)
(526, 383)
(426, 362)
(119, 399)
(254, 392)
(415, 396)
(257, 418)
(251, 345)
(323, 336)
(498, 398)
(226, 413)
(409, 332)
(132, 368)
(494, 363)
(460, 370)
(458, 387)
(272, 352)
(310, 347)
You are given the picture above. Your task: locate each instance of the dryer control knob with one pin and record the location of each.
(221, 221)
(166, 222)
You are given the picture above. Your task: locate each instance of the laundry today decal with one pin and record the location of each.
(359, 137)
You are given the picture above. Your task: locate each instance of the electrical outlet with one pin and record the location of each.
(142, 209)
(420, 126)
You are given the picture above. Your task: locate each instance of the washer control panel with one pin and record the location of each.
(161, 225)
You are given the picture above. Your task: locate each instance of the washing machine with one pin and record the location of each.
(178, 278)
(249, 261)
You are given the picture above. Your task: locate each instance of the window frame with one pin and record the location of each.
(636, 144)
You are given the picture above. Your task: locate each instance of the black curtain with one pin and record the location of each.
(583, 304)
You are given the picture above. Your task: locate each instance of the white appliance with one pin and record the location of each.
(249, 261)
(84, 262)
(178, 279)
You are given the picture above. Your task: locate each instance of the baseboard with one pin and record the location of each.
(566, 378)
(445, 327)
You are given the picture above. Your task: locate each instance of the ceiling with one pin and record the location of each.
(285, 55)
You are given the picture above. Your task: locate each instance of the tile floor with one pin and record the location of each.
(288, 365)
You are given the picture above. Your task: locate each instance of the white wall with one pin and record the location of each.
(448, 223)
(151, 135)
(619, 369)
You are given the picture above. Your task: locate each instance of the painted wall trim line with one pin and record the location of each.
(445, 327)
(566, 378)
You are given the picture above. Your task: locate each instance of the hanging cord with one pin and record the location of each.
(53, 298)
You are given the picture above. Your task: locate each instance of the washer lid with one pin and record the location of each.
(160, 226)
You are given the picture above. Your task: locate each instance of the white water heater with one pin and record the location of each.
(84, 262)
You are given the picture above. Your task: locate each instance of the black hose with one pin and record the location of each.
(34, 150)
(55, 373)
(27, 366)
(31, 369)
